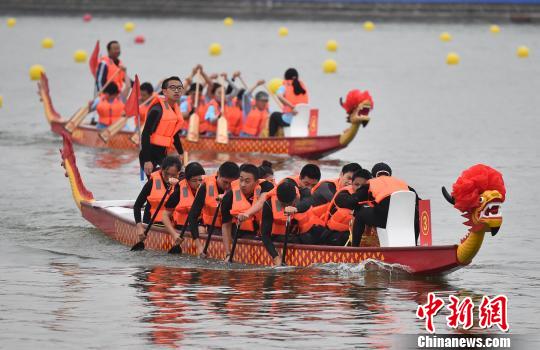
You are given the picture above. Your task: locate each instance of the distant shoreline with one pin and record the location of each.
(481, 11)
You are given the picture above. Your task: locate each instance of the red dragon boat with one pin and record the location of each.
(311, 147)
(479, 196)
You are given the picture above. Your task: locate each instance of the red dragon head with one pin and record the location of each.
(357, 104)
(479, 193)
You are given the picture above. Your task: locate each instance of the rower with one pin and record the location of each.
(213, 110)
(187, 107)
(280, 204)
(337, 219)
(266, 172)
(162, 128)
(208, 196)
(244, 192)
(147, 91)
(109, 105)
(108, 66)
(291, 93)
(181, 200)
(154, 190)
(376, 192)
(257, 118)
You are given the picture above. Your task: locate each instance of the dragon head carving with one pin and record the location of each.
(357, 104)
(479, 193)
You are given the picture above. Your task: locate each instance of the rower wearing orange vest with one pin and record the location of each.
(337, 219)
(291, 93)
(109, 105)
(108, 65)
(162, 128)
(234, 114)
(307, 228)
(244, 192)
(187, 107)
(213, 110)
(181, 200)
(147, 91)
(209, 195)
(376, 192)
(257, 116)
(153, 191)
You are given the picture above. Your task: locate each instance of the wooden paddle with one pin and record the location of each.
(211, 230)
(287, 228)
(79, 116)
(222, 134)
(177, 249)
(235, 239)
(140, 244)
(194, 119)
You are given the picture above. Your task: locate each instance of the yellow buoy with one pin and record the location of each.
(445, 36)
(47, 43)
(129, 26)
(228, 21)
(214, 49)
(274, 84)
(331, 45)
(369, 26)
(1, 101)
(283, 31)
(329, 66)
(522, 52)
(35, 71)
(11, 22)
(452, 58)
(80, 56)
(495, 29)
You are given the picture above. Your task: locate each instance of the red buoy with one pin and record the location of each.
(139, 39)
(87, 17)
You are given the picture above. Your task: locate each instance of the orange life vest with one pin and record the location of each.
(255, 121)
(109, 112)
(290, 96)
(336, 218)
(208, 125)
(296, 180)
(184, 204)
(321, 210)
(305, 220)
(210, 201)
(144, 108)
(234, 116)
(111, 69)
(383, 186)
(169, 125)
(156, 194)
(240, 204)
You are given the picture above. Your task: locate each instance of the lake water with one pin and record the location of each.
(64, 285)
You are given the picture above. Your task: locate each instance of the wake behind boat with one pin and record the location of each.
(479, 194)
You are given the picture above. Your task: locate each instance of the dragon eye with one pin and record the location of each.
(481, 199)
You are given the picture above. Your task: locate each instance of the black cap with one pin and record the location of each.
(381, 169)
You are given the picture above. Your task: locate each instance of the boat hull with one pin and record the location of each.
(414, 260)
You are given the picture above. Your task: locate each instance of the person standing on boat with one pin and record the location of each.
(109, 105)
(162, 128)
(108, 65)
(372, 200)
(153, 191)
(210, 193)
(180, 202)
(244, 192)
(291, 93)
(281, 204)
(337, 219)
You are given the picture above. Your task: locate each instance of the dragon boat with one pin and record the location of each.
(478, 193)
(311, 147)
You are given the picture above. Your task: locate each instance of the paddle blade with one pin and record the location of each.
(193, 128)
(222, 135)
(77, 119)
(138, 246)
(176, 249)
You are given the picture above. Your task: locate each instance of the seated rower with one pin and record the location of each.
(376, 192)
(213, 110)
(257, 117)
(308, 227)
(153, 191)
(266, 172)
(337, 219)
(181, 200)
(244, 192)
(291, 93)
(210, 193)
(109, 105)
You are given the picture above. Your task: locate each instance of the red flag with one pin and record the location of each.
(94, 60)
(132, 104)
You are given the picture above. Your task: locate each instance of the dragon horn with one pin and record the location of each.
(447, 196)
(341, 101)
